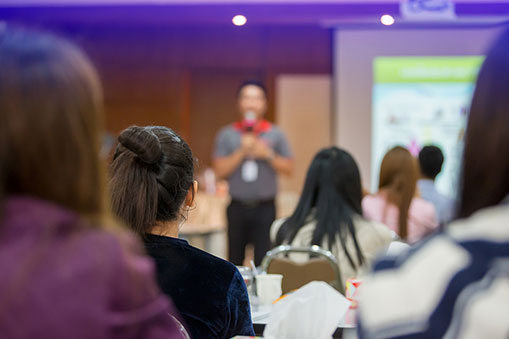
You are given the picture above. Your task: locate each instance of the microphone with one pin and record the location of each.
(249, 121)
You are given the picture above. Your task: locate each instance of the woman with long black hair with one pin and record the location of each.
(329, 214)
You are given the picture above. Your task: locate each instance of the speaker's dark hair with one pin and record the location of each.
(251, 83)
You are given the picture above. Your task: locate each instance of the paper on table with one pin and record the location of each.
(260, 313)
(312, 312)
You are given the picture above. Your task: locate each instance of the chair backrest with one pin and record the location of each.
(180, 327)
(396, 248)
(321, 266)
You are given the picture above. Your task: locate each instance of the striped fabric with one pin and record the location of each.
(452, 285)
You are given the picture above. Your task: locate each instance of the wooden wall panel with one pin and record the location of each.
(304, 100)
(185, 77)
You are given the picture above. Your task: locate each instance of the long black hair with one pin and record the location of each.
(333, 190)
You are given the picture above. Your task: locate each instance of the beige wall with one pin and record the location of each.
(303, 111)
(354, 54)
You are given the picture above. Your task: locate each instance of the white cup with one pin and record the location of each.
(268, 287)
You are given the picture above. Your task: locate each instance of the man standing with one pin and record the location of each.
(249, 153)
(430, 162)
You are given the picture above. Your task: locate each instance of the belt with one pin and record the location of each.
(252, 203)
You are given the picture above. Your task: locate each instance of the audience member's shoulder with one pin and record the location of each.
(373, 199)
(424, 213)
(66, 225)
(116, 247)
(373, 225)
(372, 204)
(411, 282)
(444, 199)
(489, 224)
(374, 229)
(417, 253)
(420, 203)
(274, 228)
(211, 262)
(415, 282)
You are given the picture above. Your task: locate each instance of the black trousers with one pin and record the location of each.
(249, 223)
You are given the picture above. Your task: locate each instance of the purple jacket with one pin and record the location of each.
(62, 279)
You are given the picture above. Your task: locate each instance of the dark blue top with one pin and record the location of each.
(208, 291)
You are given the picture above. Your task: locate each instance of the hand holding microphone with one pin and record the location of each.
(248, 137)
(263, 151)
(249, 121)
(256, 148)
(248, 143)
(253, 146)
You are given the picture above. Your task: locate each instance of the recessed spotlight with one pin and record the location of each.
(387, 20)
(239, 20)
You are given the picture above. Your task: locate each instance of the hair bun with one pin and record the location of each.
(142, 142)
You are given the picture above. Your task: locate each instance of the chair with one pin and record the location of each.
(180, 327)
(397, 247)
(321, 266)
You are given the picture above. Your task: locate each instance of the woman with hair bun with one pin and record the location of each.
(152, 187)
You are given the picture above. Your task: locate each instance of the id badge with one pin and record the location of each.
(250, 171)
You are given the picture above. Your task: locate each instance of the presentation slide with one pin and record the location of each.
(419, 101)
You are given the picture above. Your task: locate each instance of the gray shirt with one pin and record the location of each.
(264, 187)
